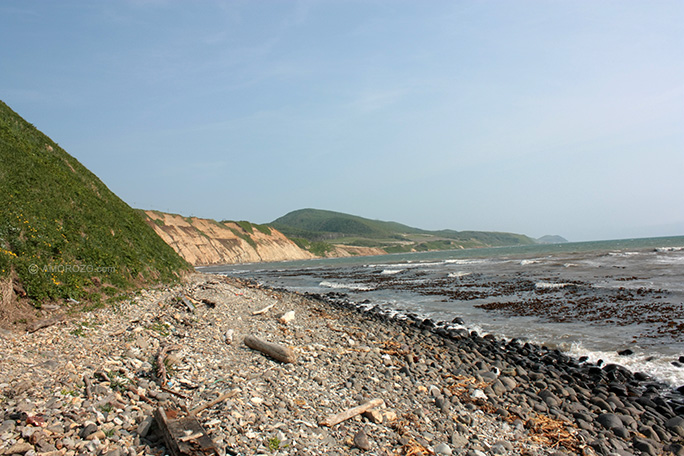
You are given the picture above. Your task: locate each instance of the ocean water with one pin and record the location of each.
(588, 299)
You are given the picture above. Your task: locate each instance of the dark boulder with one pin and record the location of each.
(609, 421)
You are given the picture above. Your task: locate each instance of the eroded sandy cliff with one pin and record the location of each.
(204, 242)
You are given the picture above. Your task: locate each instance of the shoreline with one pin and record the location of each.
(459, 395)
(459, 328)
(594, 304)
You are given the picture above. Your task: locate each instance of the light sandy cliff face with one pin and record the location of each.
(204, 242)
(351, 250)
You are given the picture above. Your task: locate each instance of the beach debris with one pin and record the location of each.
(413, 448)
(184, 436)
(264, 310)
(189, 302)
(230, 336)
(553, 432)
(287, 317)
(332, 420)
(162, 361)
(275, 351)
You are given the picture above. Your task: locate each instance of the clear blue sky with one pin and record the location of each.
(536, 117)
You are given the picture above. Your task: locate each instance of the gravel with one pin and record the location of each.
(90, 384)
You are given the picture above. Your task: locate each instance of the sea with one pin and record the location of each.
(588, 299)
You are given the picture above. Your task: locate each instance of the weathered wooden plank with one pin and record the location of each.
(184, 436)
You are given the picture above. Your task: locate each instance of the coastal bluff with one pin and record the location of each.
(204, 242)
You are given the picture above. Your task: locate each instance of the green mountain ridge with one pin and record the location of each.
(307, 226)
(63, 234)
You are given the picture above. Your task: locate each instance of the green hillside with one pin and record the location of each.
(314, 226)
(63, 233)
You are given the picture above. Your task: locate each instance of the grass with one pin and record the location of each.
(318, 248)
(161, 328)
(117, 382)
(244, 236)
(63, 233)
(106, 408)
(273, 443)
(82, 328)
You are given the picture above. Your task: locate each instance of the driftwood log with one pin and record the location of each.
(332, 420)
(275, 351)
(184, 436)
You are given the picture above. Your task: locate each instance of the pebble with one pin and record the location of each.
(361, 441)
(443, 449)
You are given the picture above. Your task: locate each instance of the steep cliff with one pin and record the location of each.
(64, 236)
(204, 242)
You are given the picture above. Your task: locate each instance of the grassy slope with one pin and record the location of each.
(58, 218)
(316, 226)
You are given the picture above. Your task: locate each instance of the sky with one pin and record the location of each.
(536, 117)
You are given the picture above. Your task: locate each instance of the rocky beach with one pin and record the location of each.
(92, 383)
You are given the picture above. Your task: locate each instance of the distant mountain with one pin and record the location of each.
(63, 234)
(315, 226)
(551, 239)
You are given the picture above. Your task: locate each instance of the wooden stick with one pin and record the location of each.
(175, 393)
(137, 392)
(275, 351)
(161, 367)
(264, 310)
(332, 420)
(212, 403)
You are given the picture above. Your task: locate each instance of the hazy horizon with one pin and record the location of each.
(533, 117)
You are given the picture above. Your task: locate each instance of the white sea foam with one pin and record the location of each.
(668, 249)
(460, 261)
(623, 254)
(526, 262)
(658, 366)
(456, 275)
(547, 285)
(391, 271)
(347, 286)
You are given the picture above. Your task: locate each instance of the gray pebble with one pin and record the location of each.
(444, 449)
(361, 441)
